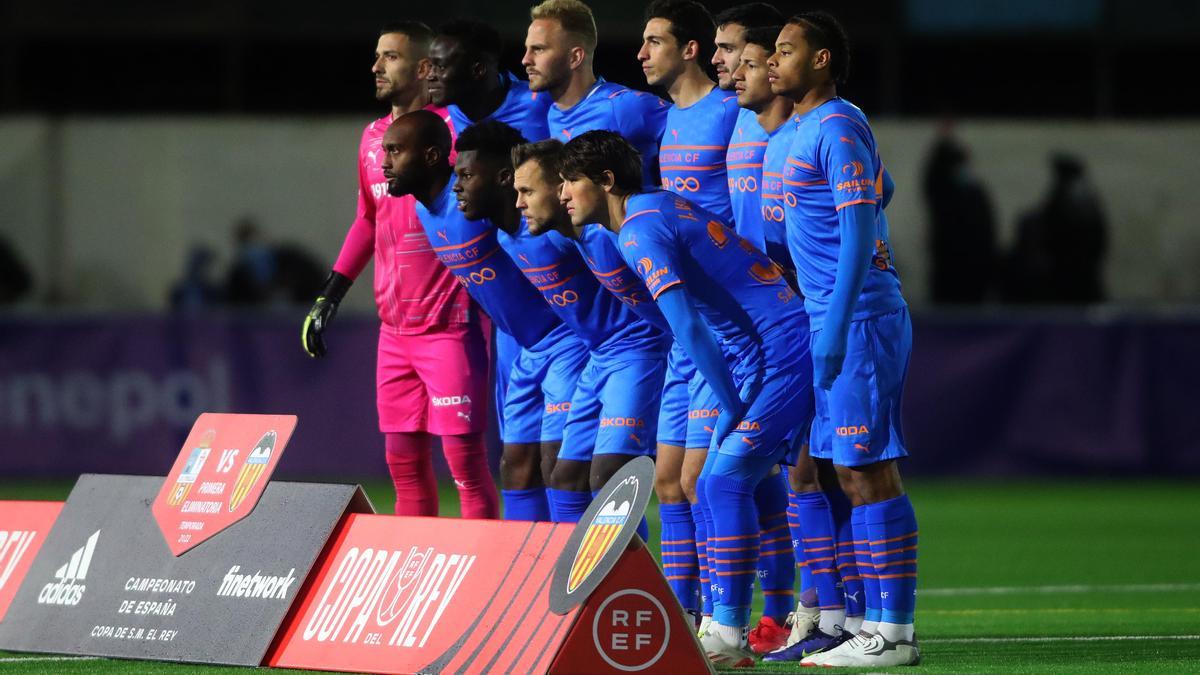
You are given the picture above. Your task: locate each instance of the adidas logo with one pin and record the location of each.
(66, 591)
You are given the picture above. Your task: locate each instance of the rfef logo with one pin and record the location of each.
(66, 591)
(631, 630)
(252, 470)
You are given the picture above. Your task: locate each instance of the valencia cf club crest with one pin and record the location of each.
(252, 470)
(191, 470)
(602, 534)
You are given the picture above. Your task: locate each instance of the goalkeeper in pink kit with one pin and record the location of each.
(432, 368)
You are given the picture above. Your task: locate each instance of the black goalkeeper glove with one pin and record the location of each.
(322, 313)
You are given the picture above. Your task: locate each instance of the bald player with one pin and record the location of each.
(550, 359)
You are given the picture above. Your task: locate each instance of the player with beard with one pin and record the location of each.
(861, 334)
(432, 359)
(551, 358)
(732, 25)
(559, 49)
(615, 404)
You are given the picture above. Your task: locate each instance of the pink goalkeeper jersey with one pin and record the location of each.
(414, 292)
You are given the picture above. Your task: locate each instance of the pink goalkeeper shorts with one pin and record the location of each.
(435, 382)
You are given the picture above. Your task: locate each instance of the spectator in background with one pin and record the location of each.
(962, 229)
(249, 279)
(196, 291)
(270, 274)
(15, 280)
(1061, 244)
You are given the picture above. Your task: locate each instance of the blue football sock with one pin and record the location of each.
(701, 536)
(806, 579)
(866, 566)
(893, 528)
(776, 563)
(568, 506)
(528, 504)
(818, 540)
(679, 553)
(852, 583)
(734, 550)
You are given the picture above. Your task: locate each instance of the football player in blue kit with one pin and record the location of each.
(615, 404)
(736, 317)
(836, 188)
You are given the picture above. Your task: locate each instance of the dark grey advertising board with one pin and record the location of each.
(105, 583)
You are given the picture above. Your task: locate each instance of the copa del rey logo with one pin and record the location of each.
(392, 597)
(68, 590)
(602, 531)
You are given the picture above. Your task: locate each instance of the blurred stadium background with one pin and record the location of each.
(152, 155)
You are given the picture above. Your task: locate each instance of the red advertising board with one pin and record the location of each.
(407, 595)
(219, 475)
(23, 528)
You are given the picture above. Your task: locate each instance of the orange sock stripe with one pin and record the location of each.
(739, 560)
(786, 591)
(906, 575)
(893, 552)
(775, 529)
(893, 539)
(817, 560)
(909, 561)
(734, 550)
(677, 542)
(692, 577)
(776, 540)
(746, 536)
(817, 539)
(821, 549)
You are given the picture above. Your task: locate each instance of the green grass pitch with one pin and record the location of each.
(1016, 577)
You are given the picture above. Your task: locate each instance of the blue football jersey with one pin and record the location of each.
(554, 266)
(639, 117)
(599, 249)
(692, 155)
(521, 109)
(779, 144)
(834, 164)
(741, 294)
(471, 251)
(744, 163)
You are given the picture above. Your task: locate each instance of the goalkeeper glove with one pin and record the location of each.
(322, 312)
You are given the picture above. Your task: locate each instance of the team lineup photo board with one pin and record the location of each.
(217, 478)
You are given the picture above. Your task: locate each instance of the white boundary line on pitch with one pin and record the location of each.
(27, 659)
(1066, 588)
(1066, 638)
